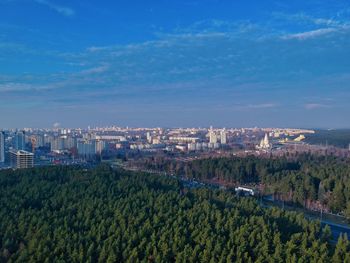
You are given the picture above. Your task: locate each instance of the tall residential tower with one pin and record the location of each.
(20, 140)
(223, 136)
(212, 136)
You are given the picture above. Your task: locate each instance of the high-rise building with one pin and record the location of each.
(56, 144)
(149, 137)
(48, 140)
(21, 159)
(212, 136)
(69, 142)
(86, 148)
(20, 142)
(99, 146)
(2, 147)
(223, 136)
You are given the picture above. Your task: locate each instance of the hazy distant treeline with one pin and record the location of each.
(338, 138)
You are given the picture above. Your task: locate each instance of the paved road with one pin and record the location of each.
(336, 229)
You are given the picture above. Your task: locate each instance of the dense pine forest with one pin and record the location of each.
(67, 214)
(323, 181)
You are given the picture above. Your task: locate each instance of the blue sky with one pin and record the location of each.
(175, 63)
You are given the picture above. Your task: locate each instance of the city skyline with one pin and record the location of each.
(183, 64)
(58, 127)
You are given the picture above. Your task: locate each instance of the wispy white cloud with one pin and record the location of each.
(314, 106)
(16, 87)
(258, 106)
(304, 19)
(310, 34)
(95, 70)
(264, 106)
(310, 26)
(63, 10)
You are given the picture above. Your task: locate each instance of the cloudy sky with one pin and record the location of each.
(175, 63)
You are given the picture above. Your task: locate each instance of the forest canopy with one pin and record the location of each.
(68, 214)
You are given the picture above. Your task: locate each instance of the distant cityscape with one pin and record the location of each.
(25, 148)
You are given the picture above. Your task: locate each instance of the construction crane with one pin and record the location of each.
(33, 142)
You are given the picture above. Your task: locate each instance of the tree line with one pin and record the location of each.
(301, 180)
